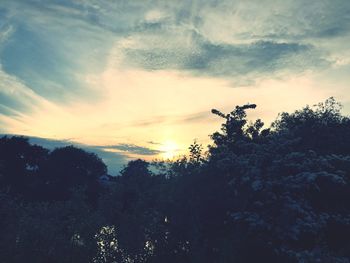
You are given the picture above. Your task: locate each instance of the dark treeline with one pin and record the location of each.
(277, 194)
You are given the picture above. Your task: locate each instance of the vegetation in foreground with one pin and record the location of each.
(257, 195)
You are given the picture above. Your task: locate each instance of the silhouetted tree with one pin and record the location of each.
(70, 167)
(20, 163)
(279, 194)
(319, 128)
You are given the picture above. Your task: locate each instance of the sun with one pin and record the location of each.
(169, 149)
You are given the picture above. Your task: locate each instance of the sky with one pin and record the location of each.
(138, 79)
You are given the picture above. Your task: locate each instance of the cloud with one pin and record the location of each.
(253, 42)
(30, 57)
(133, 149)
(164, 120)
(48, 47)
(154, 143)
(196, 117)
(15, 97)
(244, 41)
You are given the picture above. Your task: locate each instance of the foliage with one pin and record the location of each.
(277, 194)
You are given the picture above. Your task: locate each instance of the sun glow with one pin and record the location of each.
(169, 149)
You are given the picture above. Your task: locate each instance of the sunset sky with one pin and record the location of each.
(130, 79)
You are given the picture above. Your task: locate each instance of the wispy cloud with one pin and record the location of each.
(239, 61)
(133, 149)
(252, 41)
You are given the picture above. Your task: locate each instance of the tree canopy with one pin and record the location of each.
(275, 194)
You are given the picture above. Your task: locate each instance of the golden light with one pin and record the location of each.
(169, 149)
